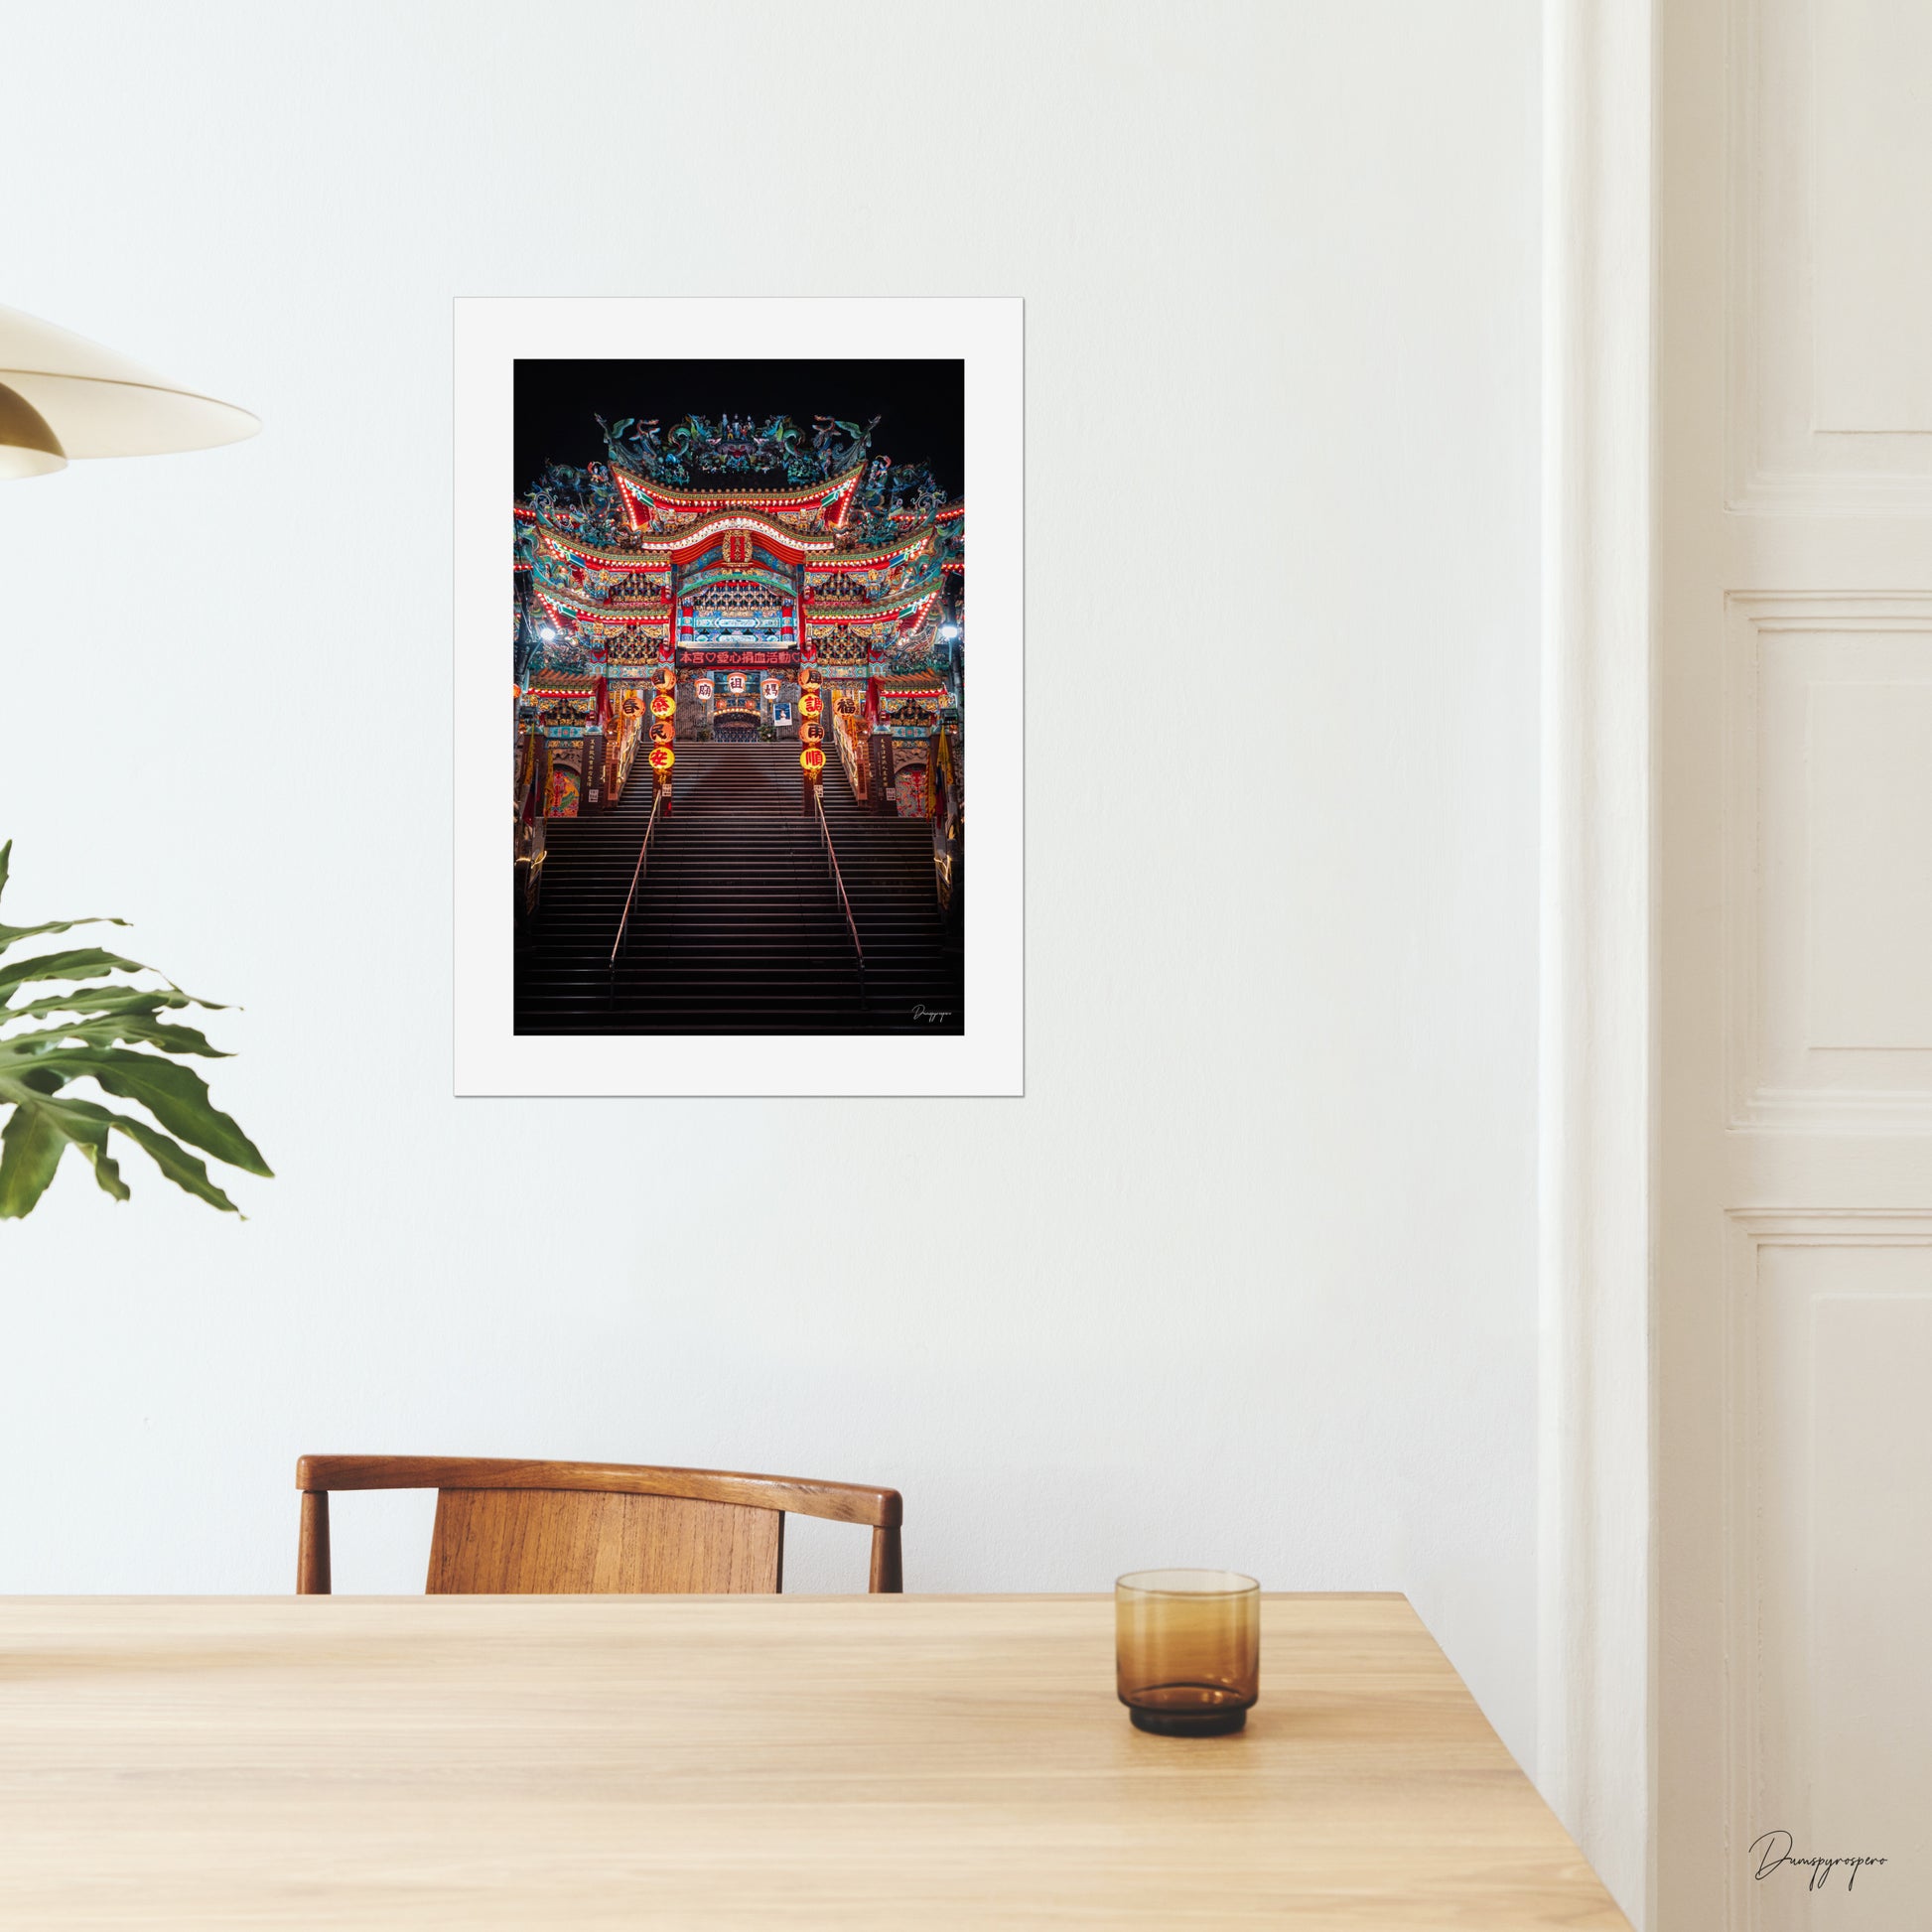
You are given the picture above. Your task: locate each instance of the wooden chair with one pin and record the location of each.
(504, 1526)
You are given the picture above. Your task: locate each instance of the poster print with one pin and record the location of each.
(756, 732)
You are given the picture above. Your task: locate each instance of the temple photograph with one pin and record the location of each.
(737, 769)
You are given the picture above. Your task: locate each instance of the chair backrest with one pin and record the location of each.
(508, 1527)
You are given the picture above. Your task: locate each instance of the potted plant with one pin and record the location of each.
(58, 1027)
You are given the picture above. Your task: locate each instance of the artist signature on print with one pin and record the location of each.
(933, 1015)
(1777, 1852)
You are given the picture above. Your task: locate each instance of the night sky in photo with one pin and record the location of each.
(922, 403)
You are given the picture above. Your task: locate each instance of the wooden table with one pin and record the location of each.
(903, 1762)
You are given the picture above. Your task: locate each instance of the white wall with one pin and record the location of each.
(1247, 1277)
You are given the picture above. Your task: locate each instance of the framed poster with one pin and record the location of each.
(725, 514)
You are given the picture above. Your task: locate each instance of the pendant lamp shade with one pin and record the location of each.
(28, 445)
(98, 403)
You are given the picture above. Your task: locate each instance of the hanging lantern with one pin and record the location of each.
(809, 704)
(662, 757)
(813, 760)
(663, 704)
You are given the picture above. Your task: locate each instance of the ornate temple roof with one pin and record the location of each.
(821, 505)
(908, 607)
(691, 539)
(563, 604)
(818, 554)
(560, 543)
(878, 553)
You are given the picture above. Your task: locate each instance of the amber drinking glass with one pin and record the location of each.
(1187, 1649)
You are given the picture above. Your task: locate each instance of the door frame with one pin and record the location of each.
(1596, 1593)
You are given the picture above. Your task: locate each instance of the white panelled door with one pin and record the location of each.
(1793, 1315)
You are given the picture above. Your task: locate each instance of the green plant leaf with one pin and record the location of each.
(130, 1026)
(31, 1146)
(85, 1129)
(184, 1170)
(106, 999)
(83, 963)
(174, 1095)
(6, 855)
(108, 1172)
(187, 1171)
(40, 1131)
(9, 933)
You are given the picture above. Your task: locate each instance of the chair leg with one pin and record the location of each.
(886, 1572)
(312, 1548)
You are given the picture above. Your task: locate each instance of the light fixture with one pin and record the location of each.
(63, 397)
(28, 445)
(949, 631)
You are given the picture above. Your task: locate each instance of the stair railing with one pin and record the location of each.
(832, 864)
(636, 880)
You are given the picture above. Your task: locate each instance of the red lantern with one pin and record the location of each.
(663, 704)
(813, 760)
(809, 704)
(662, 757)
